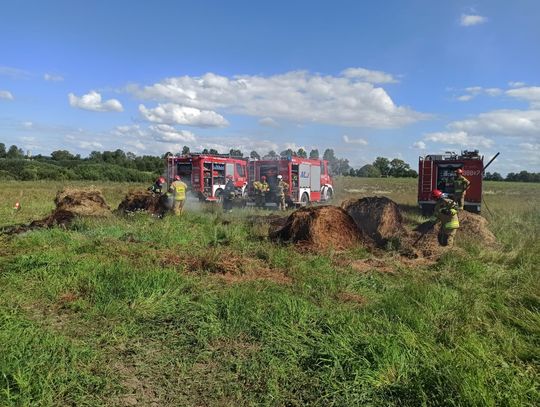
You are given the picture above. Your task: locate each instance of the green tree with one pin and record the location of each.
(213, 151)
(205, 151)
(314, 154)
(383, 165)
(235, 153)
(185, 150)
(2, 150)
(301, 153)
(288, 153)
(254, 155)
(369, 171)
(15, 152)
(60, 155)
(329, 154)
(271, 154)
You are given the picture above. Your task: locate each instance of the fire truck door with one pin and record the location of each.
(315, 178)
(229, 169)
(304, 175)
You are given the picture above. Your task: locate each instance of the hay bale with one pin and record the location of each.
(142, 200)
(377, 217)
(319, 228)
(81, 202)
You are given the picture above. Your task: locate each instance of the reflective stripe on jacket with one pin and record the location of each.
(460, 184)
(179, 190)
(446, 213)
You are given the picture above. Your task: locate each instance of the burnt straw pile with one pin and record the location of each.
(138, 201)
(70, 203)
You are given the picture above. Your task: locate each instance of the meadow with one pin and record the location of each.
(203, 310)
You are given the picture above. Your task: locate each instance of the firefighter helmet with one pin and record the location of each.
(177, 177)
(263, 178)
(161, 180)
(459, 171)
(436, 193)
(280, 176)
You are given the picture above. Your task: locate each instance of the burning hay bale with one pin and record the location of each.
(376, 217)
(319, 228)
(136, 201)
(70, 203)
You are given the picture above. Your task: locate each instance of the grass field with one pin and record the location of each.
(140, 311)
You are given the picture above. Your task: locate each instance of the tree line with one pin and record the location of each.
(522, 176)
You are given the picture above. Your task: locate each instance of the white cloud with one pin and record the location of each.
(515, 123)
(5, 94)
(474, 91)
(171, 113)
(460, 138)
(268, 122)
(516, 84)
(164, 132)
(92, 101)
(465, 98)
(359, 141)
(28, 125)
(298, 96)
(419, 145)
(53, 78)
(369, 75)
(530, 94)
(472, 19)
(89, 145)
(14, 73)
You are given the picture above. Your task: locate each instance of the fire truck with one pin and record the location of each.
(438, 172)
(206, 174)
(309, 180)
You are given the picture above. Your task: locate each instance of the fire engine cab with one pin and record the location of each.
(308, 179)
(206, 175)
(439, 172)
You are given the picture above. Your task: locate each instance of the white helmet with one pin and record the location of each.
(279, 176)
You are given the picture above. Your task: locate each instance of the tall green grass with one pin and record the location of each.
(104, 313)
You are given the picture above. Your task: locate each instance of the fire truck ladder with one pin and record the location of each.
(427, 175)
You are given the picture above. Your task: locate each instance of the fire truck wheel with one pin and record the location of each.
(328, 194)
(305, 198)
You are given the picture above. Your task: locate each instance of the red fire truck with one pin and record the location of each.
(205, 174)
(438, 172)
(309, 180)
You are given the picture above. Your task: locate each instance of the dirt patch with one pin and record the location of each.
(70, 203)
(143, 201)
(372, 264)
(320, 228)
(227, 266)
(377, 217)
(353, 298)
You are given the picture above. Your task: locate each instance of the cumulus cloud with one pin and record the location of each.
(514, 123)
(359, 141)
(298, 96)
(89, 145)
(369, 75)
(53, 78)
(473, 91)
(460, 138)
(268, 122)
(516, 84)
(530, 94)
(472, 19)
(171, 113)
(92, 101)
(419, 145)
(7, 95)
(164, 132)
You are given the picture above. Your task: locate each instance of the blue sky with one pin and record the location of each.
(367, 78)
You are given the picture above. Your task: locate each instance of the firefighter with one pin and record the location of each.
(461, 184)
(281, 190)
(446, 213)
(261, 188)
(157, 187)
(178, 189)
(228, 194)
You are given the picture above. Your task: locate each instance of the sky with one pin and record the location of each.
(398, 79)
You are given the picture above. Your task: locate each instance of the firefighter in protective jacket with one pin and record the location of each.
(261, 188)
(461, 184)
(229, 193)
(178, 189)
(446, 213)
(157, 186)
(281, 191)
